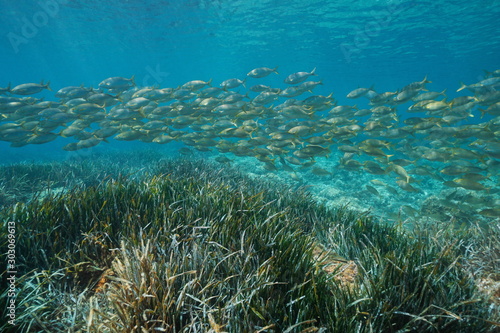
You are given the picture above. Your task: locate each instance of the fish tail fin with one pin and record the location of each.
(244, 81)
(119, 97)
(132, 79)
(483, 112)
(275, 70)
(462, 86)
(425, 80)
(483, 160)
(46, 85)
(313, 72)
(209, 82)
(142, 113)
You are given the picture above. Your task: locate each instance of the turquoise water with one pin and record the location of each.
(384, 44)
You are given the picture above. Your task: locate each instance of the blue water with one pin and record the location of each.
(387, 44)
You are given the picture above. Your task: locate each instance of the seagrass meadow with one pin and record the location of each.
(187, 245)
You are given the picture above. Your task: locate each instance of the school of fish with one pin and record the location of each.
(284, 130)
